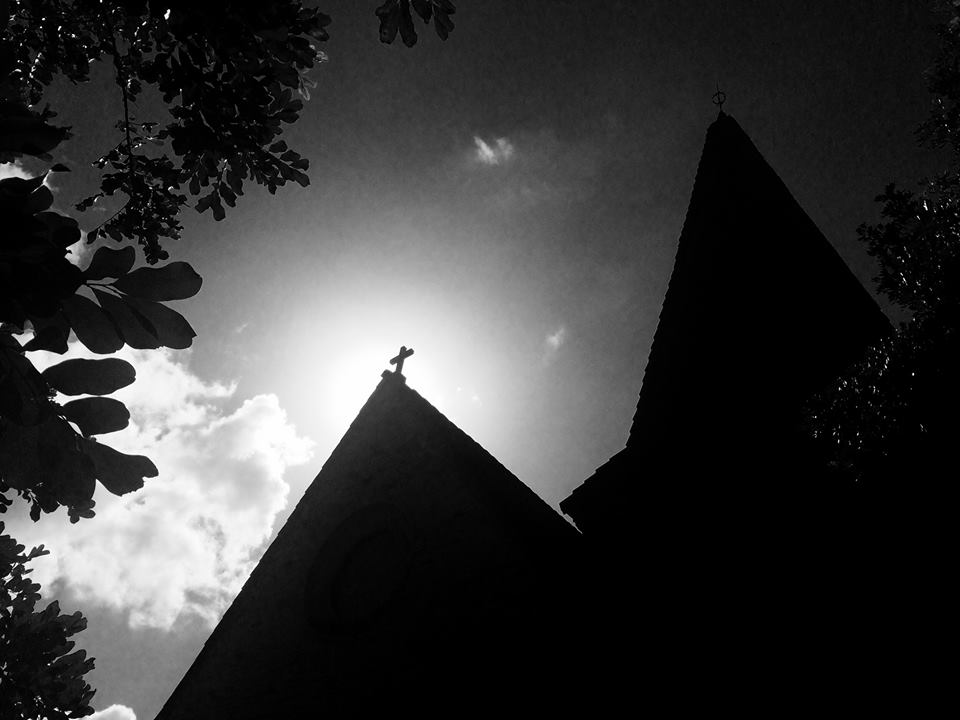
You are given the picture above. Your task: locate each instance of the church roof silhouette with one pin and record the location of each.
(760, 313)
(417, 574)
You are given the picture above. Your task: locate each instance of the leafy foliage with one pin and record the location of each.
(231, 74)
(395, 16)
(41, 675)
(43, 457)
(896, 410)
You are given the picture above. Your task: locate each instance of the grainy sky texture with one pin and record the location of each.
(508, 204)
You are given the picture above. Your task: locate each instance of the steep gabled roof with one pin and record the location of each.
(760, 312)
(415, 570)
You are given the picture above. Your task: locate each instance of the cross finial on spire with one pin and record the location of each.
(401, 356)
(719, 97)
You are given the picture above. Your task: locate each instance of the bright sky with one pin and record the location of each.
(506, 203)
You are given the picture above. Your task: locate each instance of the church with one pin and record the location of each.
(418, 575)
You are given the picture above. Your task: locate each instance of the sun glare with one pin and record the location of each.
(358, 343)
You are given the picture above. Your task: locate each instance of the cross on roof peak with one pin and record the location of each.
(719, 98)
(401, 356)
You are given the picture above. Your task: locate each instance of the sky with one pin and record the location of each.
(506, 203)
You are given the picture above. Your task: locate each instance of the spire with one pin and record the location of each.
(760, 312)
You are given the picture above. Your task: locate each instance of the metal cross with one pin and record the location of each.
(401, 356)
(719, 98)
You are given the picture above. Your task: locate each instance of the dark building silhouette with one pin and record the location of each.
(760, 313)
(718, 539)
(417, 575)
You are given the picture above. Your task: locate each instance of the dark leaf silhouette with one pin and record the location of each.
(61, 230)
(50, 337)
(389, 14)
(92, 326)
(407, 32)
(90, 377)
(175, 281)
(395, 16)
(23, 392)
(442, 22)
(39, 200)
(46, 460)
(171, 328)
(97, 415)
(118, 472)
(25, 132)
(424, 9)
(108, 262)
(136, 330)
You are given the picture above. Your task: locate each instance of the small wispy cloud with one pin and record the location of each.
(556, 339)
(528, 169)
(497, 153)
(553, 342)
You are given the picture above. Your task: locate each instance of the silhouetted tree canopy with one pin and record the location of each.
(230, 76)
(893, 417)
(41, 675)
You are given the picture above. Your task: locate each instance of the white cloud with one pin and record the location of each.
(13, 170)
(496, 154)
(556, 339)
(552, 343)
(184, 543)
(535, 168)
(79, 251)
(114, 712)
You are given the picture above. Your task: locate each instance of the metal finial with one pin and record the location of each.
(719, 98)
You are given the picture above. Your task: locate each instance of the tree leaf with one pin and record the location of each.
(97, 415)
(90, 377)
(175, 281)
(389, 14)
(39, 200)
(23, 392)
(46, 460)
(118, 472)
(136, 330)
(408, 32)
(424, 9)
(108, 262)
(63, 231)
(172, 329)
(91, 324)
(50, 334)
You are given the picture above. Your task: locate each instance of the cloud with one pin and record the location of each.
(497, 154)
(184, 544)
(534, 169)
(114, 712)
(79, 252)
(556, 339)
(552, 343)
(13, 170)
